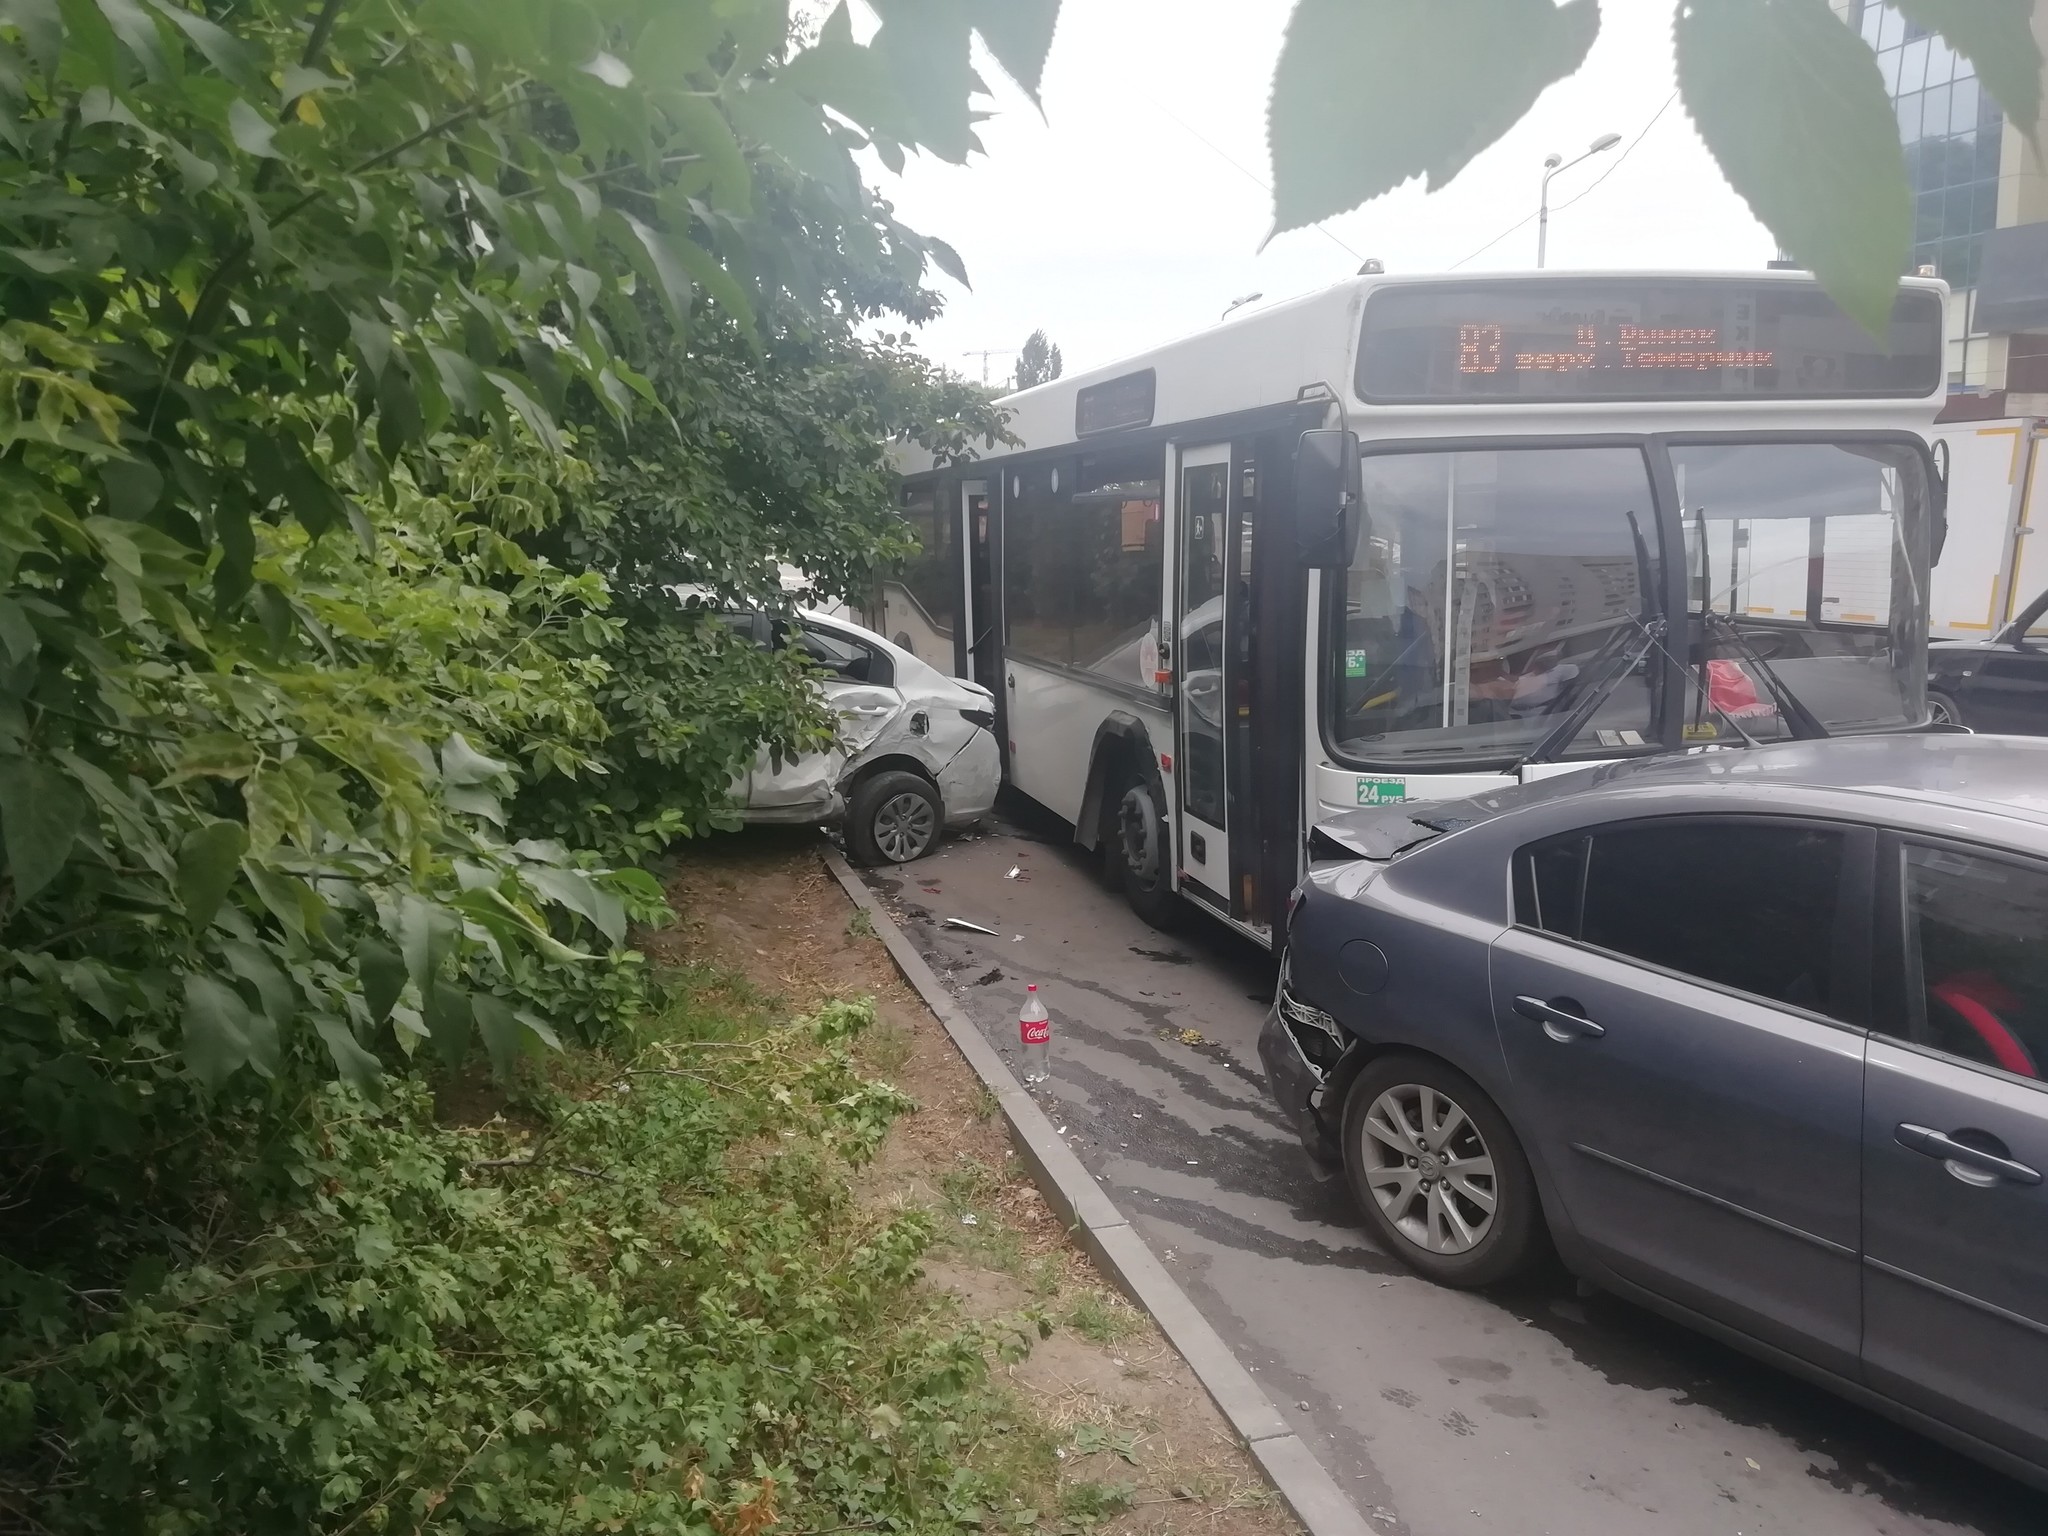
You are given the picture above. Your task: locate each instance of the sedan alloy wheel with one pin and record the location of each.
(1429, 1169)
(905, 825)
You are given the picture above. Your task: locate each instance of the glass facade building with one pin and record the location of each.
(1951, 130)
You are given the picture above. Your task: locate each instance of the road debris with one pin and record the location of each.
(961, 922)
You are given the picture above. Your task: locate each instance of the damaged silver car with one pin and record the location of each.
(916, 751)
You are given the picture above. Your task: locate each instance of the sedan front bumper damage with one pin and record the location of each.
(1300, 1046)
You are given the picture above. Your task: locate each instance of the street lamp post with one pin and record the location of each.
(1552, 165)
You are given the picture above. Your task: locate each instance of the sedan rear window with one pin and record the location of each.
(1749, 905)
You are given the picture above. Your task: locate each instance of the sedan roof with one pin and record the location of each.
(2007, 774)
(1922, 776)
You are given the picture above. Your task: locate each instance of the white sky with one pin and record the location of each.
(1116, 228)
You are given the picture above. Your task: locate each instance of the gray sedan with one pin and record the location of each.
(1758, 1039)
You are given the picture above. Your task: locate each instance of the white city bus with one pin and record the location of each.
(1603, 515)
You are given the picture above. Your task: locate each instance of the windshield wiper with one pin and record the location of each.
(1623, 660)
(1801, 719)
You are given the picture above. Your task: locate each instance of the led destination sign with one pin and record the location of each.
(1487, 349)
(1638, 339)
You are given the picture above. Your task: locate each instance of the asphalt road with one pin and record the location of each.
(1540, 1412)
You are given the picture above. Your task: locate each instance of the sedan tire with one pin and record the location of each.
(1439, 1174)
(1943, 710)
(893, 818)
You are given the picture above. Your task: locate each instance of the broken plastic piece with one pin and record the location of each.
(961, 922)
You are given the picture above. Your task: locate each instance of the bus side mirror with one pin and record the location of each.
(1328, 499)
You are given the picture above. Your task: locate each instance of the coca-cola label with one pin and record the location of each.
(1035, 1031)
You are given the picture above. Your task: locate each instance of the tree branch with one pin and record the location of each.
(323, 28)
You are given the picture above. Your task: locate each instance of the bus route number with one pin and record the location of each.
(1382, 791)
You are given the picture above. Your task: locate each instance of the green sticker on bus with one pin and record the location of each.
(1355, 664)
(1382, 791)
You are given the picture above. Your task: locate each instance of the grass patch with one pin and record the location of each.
(1089, 1503)
(861, 925)
(650, 1301)
(969, 1193)
(888, 1048)
(1103, 1319)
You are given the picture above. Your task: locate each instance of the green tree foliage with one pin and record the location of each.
(341, 341)
(1370, 93)
(1039, 361)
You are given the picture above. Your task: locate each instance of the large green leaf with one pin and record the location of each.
(463, 764)
(1997, 36)
(575, 890)
(448, 1021)
(231, 55)
(355, 1064)
(788, 124)
(425, 931)
(1790, 102)
(383, 973)
(1019, 34)
(1370, 93)
(40, 813)
(42, 28)
(208, 861)
(137, 31)
(925, 45)
(221, 1035)
(501, 1031)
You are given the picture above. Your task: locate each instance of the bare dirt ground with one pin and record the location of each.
(1132, 1427)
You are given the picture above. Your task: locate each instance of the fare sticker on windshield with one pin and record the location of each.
(1382, 791)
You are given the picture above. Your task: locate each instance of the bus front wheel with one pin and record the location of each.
(1144, 856)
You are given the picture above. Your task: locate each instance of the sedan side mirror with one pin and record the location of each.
(1328, 499)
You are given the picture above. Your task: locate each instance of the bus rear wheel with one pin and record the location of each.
(1144, 855)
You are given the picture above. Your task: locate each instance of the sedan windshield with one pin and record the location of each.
(1802, 564)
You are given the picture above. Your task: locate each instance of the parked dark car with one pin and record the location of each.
(1756, 1038)
(1999, 684)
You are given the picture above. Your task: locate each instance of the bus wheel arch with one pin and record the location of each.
(1125, 818)
(1122, 750)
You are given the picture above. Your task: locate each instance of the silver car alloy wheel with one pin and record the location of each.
(904, 827)
(1938, 712)
(1429, 1169)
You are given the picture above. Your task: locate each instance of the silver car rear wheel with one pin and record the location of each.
(1429, 1169)
(904, 826)
(893, 817)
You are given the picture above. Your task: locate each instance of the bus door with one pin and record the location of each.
(1207, 614)
(979, 628)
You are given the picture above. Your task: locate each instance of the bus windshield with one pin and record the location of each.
(1496, 590)
(1800, 561)
(1487, 586)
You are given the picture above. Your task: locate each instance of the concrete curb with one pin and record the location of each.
(1301, 1481)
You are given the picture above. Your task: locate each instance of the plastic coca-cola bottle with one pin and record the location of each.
(1034, 1033)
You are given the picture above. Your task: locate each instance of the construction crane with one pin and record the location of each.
(985, 353)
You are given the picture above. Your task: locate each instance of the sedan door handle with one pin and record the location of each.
(1561, 1024)
(1933, 1143)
